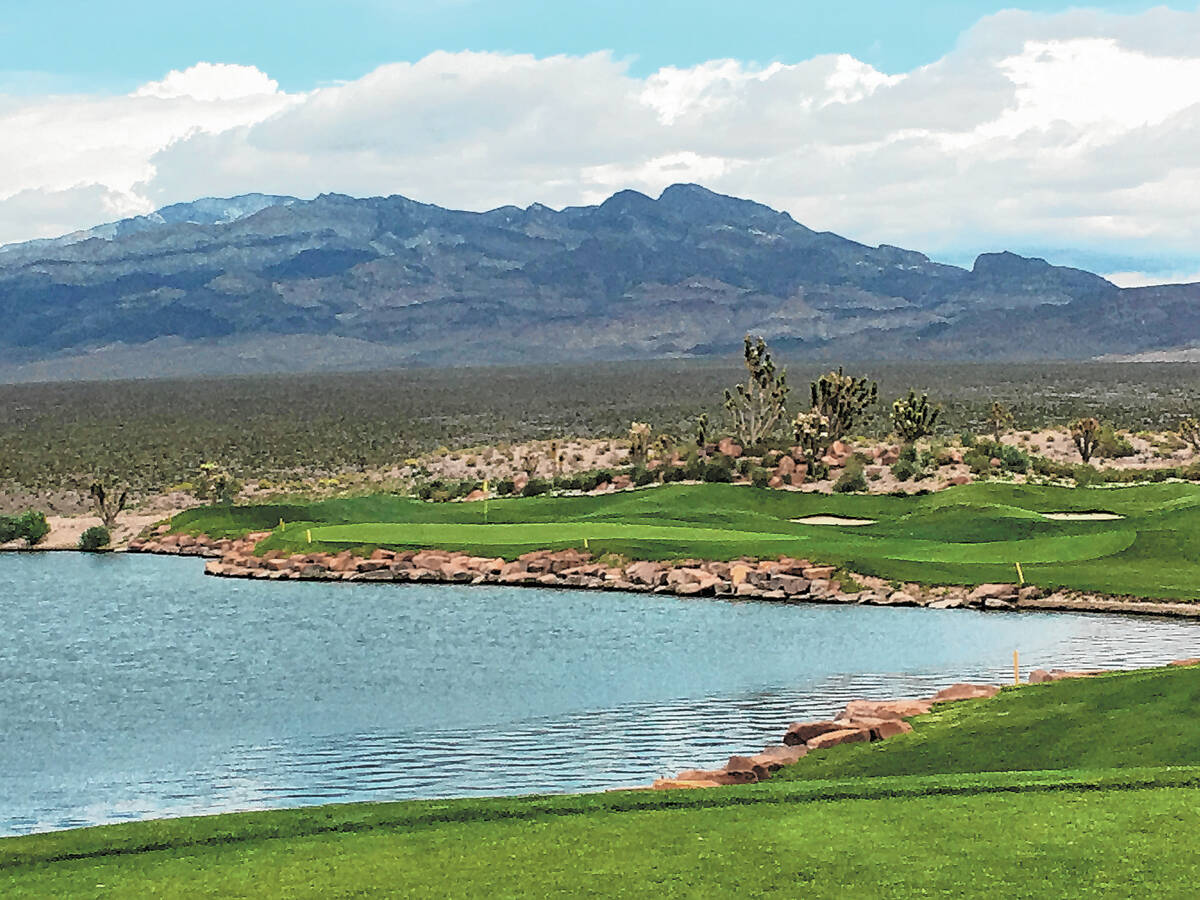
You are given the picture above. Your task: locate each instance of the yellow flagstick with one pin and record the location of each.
(485, 502)
(1020, 574)
(308, 535)
(1016, 668)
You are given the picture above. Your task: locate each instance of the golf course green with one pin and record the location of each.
(1077, 788)
(1144, 541)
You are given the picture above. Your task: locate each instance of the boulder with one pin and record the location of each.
(964, 691)
(1029, 592)
(885, 709)
(800, 733)
(775, 481)
(841, 736)
(786, 467)
(799, 475)
(959, 480)
(777, 756)
(1007, 592)
(900, 598)
(671, 784)
(729, 447)
(1190, 661)
(822, 572)
(946, 603)
(648, 573)
(746, 767)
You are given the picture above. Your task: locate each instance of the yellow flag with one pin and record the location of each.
(485, 487)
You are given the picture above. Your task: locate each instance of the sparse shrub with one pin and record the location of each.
(967, 439)
(759, 476)
(1189, 432)
(213, 484)
(1086, 476)
(719, 469)
(504, 487)
(642, 476)
(95, 538)
(904, 469)
(908, 453)
(672, 473)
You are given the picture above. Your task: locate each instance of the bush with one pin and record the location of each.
(535, 487)
(1111, 445)
(643, 476)
(95, 538)
(967, 439)
(1085, 476)
(904, 470)
(505, 486)
(908, 453)
(30, 526)
(672, 473)
(760, 476)
(719, 469)
(851, 480)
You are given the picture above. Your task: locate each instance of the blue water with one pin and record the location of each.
(135, 687)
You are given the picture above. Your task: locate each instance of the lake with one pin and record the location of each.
(136, 687)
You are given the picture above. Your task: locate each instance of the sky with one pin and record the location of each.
(954, 128)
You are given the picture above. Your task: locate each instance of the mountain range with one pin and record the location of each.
(262, 282)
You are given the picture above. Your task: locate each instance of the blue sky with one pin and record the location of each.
(117, 44)
(953, 127)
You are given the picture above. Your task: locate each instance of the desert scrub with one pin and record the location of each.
(95, 538)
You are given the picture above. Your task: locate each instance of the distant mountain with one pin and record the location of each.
(268, 282)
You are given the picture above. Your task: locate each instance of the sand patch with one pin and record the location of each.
(832, 520)
(1082, 516)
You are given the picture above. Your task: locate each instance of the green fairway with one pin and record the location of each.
(966, 535)
(1108, 814)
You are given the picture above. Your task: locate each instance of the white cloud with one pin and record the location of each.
(1078, 129)
(1148, 279)
(211, 82)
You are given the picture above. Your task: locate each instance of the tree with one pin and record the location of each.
(811, 430)
(213, 484)
(95, 538)
(639, 442)
(702, 431)
(913, 417)
(107, 502)
(1189, 430)
(1000, 419)
(842, 399)
(1086, 435)
(757, 406)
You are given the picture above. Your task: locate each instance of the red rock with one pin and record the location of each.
(476, 495)
(881, 731)
(1190, 661)
(747, 768)
(885, 709)
(996, 462)
(841, 736)
(728, 447)
(671, 784)
(959, 480)
(647, 573)
(1039, 676)
(776, 757)
(786, 467)
(800, 733)
(822, 572)
(1006, 592)
(963, 691)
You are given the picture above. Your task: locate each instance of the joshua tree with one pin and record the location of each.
(1086, 434)
(757, 406)
(913, 417)
(639, 442)
(1000, 419)
(107, 503)
(842, 399)
(811, 430)
(702, 431)
(213, 484)
(1189, 430)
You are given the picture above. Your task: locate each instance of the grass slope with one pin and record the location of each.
(967, 535)
(962, 831)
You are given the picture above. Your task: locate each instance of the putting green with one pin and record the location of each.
(966, 535)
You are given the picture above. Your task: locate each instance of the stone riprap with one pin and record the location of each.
(781, 579)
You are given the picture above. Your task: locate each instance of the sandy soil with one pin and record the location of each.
(1055, 443)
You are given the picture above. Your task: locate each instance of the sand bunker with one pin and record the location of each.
(1083, 517)
(832, 520)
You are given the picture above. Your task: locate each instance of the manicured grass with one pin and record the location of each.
(1088, 827)
(967, 535)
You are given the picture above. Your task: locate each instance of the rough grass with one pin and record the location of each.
(1097, 831)
(968, 535)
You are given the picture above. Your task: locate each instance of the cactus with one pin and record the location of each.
(757, 406)
(1000, 419)
(1086, 435)
(702, 431)
(913, 417)
(1189, 430)
(842, 399)
(639, 442)
(811, 430)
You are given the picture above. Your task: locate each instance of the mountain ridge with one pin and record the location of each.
(684, 274)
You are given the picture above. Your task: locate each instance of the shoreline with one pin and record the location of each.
(783, 579)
